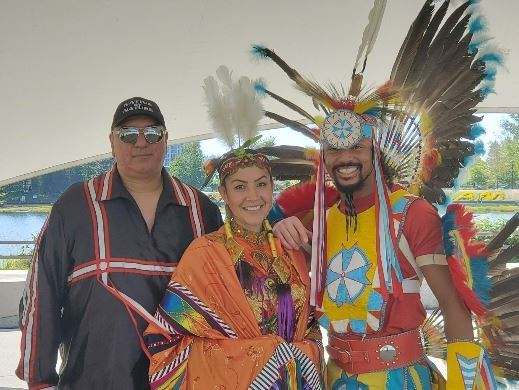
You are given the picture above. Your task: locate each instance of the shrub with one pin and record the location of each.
(489, 226)
(15, 264)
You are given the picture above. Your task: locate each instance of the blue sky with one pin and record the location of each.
(213, 147)
(492, 124)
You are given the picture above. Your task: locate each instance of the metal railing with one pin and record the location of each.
(28, 256)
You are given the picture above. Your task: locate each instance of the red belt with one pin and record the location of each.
(376, 354)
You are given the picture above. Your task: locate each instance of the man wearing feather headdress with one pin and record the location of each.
(374, 241)
(358, 301)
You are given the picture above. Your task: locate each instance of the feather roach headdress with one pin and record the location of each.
(424, 131)
(421, 121)
(426, 128)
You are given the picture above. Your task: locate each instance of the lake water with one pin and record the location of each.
(26, 226)
(19, 227)
(494, 216)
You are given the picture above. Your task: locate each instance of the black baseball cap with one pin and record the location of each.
(137, 106)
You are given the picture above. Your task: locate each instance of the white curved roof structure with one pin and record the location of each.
(67, 64)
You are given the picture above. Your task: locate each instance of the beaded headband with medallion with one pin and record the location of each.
(343, 129)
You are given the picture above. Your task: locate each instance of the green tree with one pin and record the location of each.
(496, 163)
(91, 169)
(511, 162)
(188, 166)
(479, 174)
(510, 127)
(511, 149)
(500, 167)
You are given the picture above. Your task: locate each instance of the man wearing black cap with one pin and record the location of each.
(103, 260)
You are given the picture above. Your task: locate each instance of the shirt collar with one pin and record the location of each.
(116, 189)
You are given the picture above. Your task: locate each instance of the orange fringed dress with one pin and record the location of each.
(224, 323)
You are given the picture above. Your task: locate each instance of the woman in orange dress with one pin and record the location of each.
(236, 312)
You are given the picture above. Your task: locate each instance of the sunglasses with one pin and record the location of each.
(129, 135)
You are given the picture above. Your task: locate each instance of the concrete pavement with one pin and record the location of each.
(12, 284)
(9, 356)
(11, 288)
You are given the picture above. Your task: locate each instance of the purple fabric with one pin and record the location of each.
(258, 285)
(286, 311)
(286, 316)
(283, 375)
(276, 386)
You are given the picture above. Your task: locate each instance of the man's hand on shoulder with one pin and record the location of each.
(292, 233)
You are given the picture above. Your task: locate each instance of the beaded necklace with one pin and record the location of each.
(275, 264)
(277, 278)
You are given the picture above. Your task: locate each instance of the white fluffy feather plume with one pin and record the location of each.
(225, 76)
(219, 110)
(247, 109)
(234, 109)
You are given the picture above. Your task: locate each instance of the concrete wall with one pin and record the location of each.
(12, 284)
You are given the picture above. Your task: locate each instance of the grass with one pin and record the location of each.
(40, 208)
(480, 209)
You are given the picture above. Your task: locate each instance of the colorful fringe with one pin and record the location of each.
(287, 369)
(468, 261)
